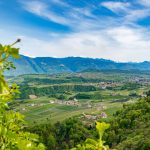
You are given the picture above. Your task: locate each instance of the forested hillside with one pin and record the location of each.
(130, 127)
(129, 130)
(48, 65)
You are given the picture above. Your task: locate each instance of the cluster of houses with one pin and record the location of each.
(90, 119)
(94, 117)
(104, 85)
(140, 80)
(33, 96)
(73, 102)
(32, 105)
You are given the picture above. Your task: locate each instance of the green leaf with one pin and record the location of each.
(12, 136)
(91, 141)
(14, 52)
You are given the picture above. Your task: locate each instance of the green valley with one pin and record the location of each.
(52, 98)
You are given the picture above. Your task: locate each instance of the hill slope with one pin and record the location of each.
(49, 65)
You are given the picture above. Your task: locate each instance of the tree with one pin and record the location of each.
(12, 136)
(91, 144)
(130, 127)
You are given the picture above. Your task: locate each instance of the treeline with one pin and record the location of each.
(44, 91)
(94, 95)
(130, 86)
(64, 135)
(130, 130)
(61, 80)
(130, 127)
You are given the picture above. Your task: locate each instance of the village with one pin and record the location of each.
(85, 117)
(73, 102)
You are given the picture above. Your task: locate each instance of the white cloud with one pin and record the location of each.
(134, 15)
(120, 44)
(82, 19)
(41, 9)
(74, 17)
(108, 38)
(128, 11)
(144, 2)
(34, 7)
(60, 2)
(116, 7)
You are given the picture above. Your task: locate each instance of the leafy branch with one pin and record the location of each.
(12, 136)
(92, 144)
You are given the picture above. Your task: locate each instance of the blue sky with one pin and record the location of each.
(110, 29)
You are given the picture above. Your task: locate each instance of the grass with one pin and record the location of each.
(58, 112)
(53, 113)
(43, 111)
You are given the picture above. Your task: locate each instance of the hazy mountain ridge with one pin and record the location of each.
(49, 65)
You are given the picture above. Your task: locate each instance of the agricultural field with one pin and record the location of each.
(40, 110)
(53, 98)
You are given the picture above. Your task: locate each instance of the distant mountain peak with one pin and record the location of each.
(50, 65)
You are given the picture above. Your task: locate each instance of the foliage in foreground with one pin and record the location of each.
(64, 135)
(130, 127)
(70, 133)
(12, 136)
(92, 144)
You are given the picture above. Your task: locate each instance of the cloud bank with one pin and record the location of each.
(106, 29)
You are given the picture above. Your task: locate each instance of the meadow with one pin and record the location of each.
(45, 98)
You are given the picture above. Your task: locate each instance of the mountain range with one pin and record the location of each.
(49, 65)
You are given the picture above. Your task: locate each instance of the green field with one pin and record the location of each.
(107, 88)
(39, 110)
